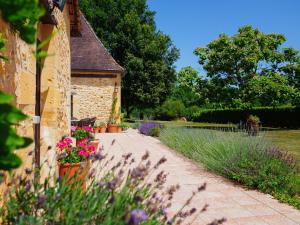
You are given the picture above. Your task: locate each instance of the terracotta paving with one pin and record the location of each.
(225, 199)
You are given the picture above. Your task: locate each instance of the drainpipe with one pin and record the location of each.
(37, 117)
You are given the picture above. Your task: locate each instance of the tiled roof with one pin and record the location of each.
(89, 54)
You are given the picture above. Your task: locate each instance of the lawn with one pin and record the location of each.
(286, 139)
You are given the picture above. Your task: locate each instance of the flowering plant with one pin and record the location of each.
(70, 154)
(81, 132)
(147, 128)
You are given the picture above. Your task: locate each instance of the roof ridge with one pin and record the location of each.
(100, 42)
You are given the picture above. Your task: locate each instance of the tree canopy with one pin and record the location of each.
(127, 28)
(251, 67)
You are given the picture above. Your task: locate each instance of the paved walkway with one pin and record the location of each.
(238, 205)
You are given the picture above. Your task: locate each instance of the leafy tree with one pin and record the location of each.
(127, 28)
(232, 61)
(187, 86)
(269, 90)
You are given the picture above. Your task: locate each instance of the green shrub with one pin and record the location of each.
(155, 131)
(271, 117)
(171, 109)
(249, 160)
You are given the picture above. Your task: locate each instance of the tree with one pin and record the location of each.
(232, 61)
(186, 89)
(269, 90)
(127, 28)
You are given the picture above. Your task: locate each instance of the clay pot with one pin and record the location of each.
(102, 129)
(96, 130)
(96, 143)
(75, 172)
(112, 128)
(119, 130)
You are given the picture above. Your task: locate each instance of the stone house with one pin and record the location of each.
(42, 92)
(96, 76)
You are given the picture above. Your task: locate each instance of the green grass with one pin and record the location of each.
(287, 139)
(251, 161)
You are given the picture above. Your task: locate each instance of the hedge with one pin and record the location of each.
(270, 117)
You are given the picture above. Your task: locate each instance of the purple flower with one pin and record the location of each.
(137, 216)
(146, 127)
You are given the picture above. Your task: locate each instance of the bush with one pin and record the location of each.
(170, 110)
(155, 131)
(150, 128)
(122, 196)
(251, 161)
(270, 117)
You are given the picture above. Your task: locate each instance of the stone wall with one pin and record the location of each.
(17, 77)
(94, 95)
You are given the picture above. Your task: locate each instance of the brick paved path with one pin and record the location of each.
(225, 199)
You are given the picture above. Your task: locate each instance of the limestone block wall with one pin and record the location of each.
(17, 77)
(93, 96)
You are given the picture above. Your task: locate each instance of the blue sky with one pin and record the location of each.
(194, 23)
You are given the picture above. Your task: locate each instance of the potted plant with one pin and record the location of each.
(252, 125)
(73, 161)
(82, 133)
(100, 126)
(123, 126)
(112, 126)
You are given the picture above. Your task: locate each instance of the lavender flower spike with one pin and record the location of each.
(137, 217)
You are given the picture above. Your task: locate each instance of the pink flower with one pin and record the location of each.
(87, 129)
(64, 144)
(73, 128)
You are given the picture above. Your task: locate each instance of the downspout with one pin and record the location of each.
(37, 117)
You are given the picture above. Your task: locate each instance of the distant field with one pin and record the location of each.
(287, 139)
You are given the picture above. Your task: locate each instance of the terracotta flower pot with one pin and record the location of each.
(112, 128)
(102, 129)
(119, 130)
(96, 143)
(75, 172)
(96, 130)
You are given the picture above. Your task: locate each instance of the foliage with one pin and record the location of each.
(250, 67)
(2, 47)
(147, 128)
(82, 133)
(124, 126)
(100, 123)
(121, 196)
(10, 116)
(251, 161)
(269, 90)
(22, 15)
(128, 30)
(187, 87)
(113, 114)
(155, 131)
(171, 109)
(69, 154)
(269, 116)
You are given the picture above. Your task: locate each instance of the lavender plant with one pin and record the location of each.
(249, 160)
(150, 128)
(125, 195)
